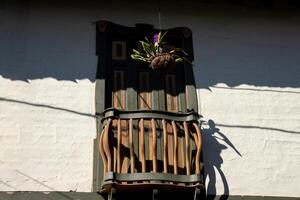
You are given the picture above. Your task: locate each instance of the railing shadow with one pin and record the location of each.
(213, 159)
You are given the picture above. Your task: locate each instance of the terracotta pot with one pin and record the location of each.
(163, 61)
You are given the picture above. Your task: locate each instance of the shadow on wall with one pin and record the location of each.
(258, 49)
(51, 39)
(213, 159)
(276, 67)
(279, 72)
(252, 50)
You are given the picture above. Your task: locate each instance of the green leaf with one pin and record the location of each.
(136, 51)
(147, 40)
(158, 38)
(161, 37)
(181, 50)
(145, 48)
(179, 60)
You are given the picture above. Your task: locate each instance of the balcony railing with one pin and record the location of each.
(147, 148)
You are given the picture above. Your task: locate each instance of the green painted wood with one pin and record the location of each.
(180, 87)
(99, 104)
(131, 97)
(119, 177)
(98, 165)
(192, 101)
(149, 114)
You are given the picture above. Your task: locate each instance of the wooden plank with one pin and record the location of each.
(190, 88)
(175, 147)
(135, 142)
(157, 103)
(118, 92)
(187, 149)
(199, 148)
(171, 97)
(101, 150)
(159, 143)
(154, 161)
(148, 139)
(119, 102)
(113, 144)
(119, 147)
(156, 87)
(165, 149)
(144, 95)
(132, 104)
(193, 149)
(100, 106)
(106, 146)
(142, 146)
(170, 136)
(179, 87)
(124, 143)
(145, 103)
(180, 150)
(150, 146)
(132, 159)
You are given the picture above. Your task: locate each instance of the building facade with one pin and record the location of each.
(246, 67)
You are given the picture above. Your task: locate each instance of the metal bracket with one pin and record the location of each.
(155, 194)
(112, 194)
(197, 194)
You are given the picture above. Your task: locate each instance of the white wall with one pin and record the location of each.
(246, 68)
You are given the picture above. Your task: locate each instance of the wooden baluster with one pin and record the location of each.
(106, 145)
(165, 146)
(132, 161)
(198, 148)
(196, 139)
(175, 147)
(125, 159)
(170, 137)
(142, 146)
(101, 150)
(187, 148)
(154, 161)
(114, 144)
(119, 147)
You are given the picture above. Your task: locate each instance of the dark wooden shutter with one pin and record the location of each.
(128, 85)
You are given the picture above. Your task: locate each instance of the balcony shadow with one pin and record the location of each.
(213, 159)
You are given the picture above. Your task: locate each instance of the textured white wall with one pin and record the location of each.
(47, 70)
(247, 74)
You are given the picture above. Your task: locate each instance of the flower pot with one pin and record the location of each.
(163, 61)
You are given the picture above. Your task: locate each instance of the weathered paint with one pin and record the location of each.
(247, 78)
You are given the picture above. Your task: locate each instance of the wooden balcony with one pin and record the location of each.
(151, 149)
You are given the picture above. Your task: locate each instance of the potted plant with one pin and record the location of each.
(157, 54)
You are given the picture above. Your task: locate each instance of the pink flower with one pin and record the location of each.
(155, 38)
